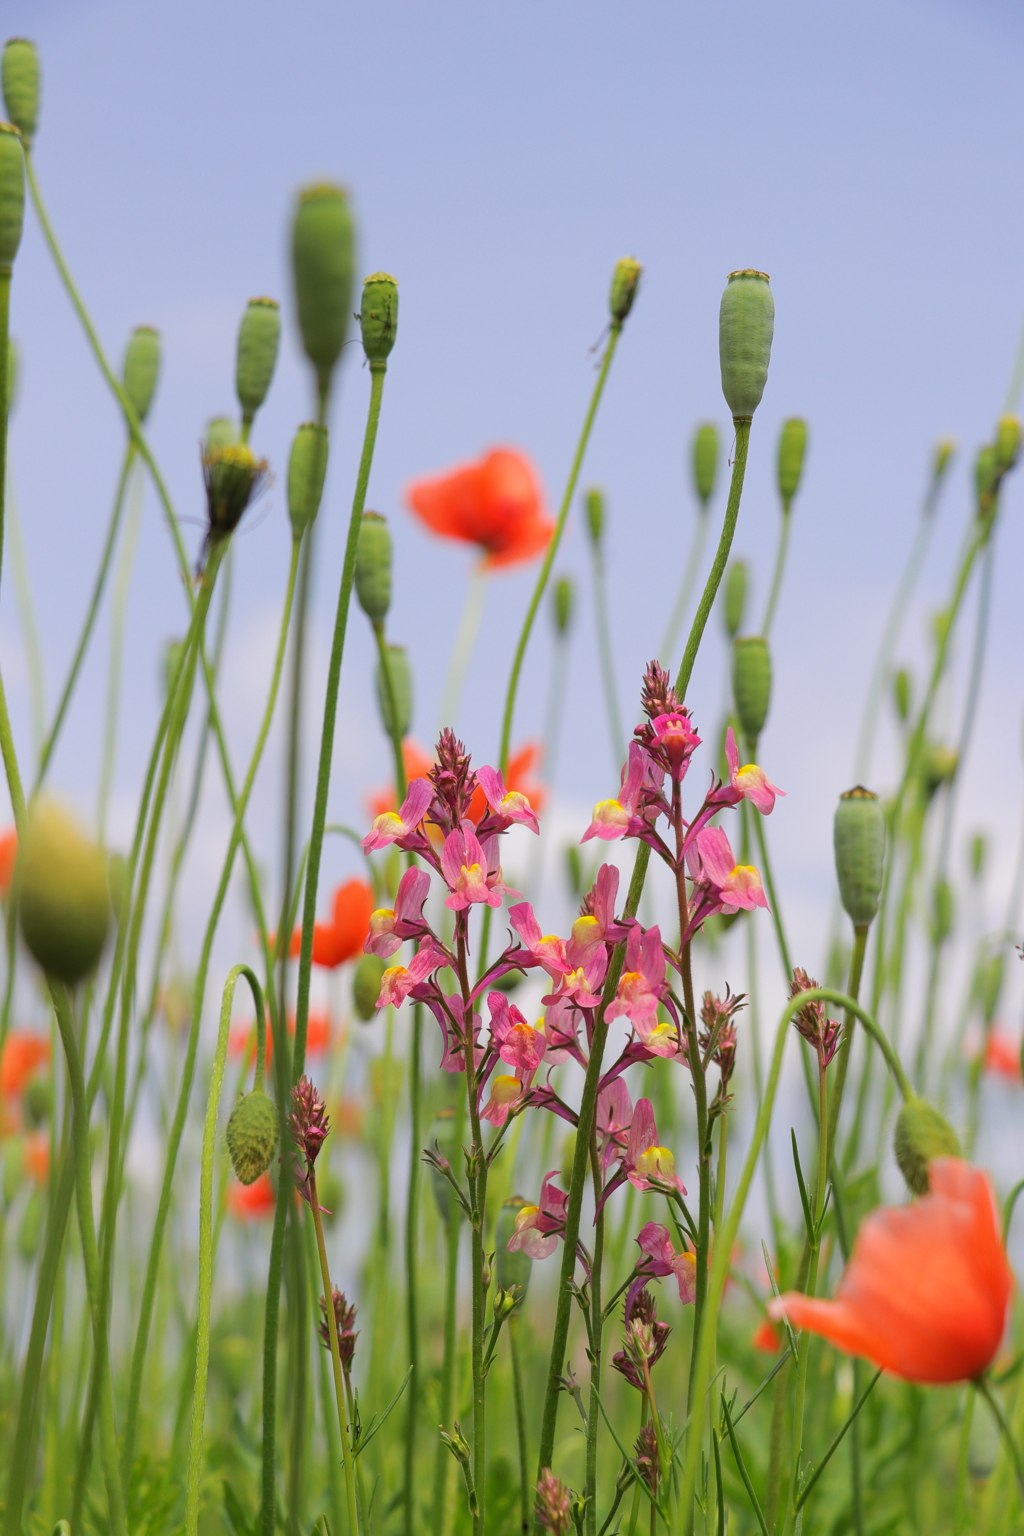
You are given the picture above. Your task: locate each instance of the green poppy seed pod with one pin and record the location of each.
(751, 683)
(734, 600)
(746, 321)
(858, 837)
(939, 768)
(942, 911)
(705, 461)
(141, 368)
(594, 503)
(985, 476)
(978, 854)
(373, 567)
(563, 604)
(307, 466)
(366, 986)
(401, 688)
(378, 316)
(790, 462)
(901, 694)
(31, 1229)
(38, 1101)
(625, 281)
(258, 338)
(921, 1134)
(12, 194)
(64, 905)
(20, 76)
(511, 1268)
(220, 433)
(945, 448)
(1007, 444)
(322, 262)
(233, 476)
(252, 1135)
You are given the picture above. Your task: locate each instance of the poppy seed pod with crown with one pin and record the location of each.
(307, 466)
(258, 338)
(705, 461)
(12, 194)
(373, 567)
(858, 836)
(64, 900)
(322, 262)
(625, 281)
(735, 597)
(366, 986)
(401, 689)
(751, 684)
(563, 604)
(594, 503)
(20, 76)
(233, 476)
(378, 317)
(921, 1134)
(746, 321)
(252, 1135)
(790, 461)
(141, 368)
(512, 1269)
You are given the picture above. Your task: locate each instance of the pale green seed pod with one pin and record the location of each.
(378, 317)
(562, 604)
(252, 1135)
(858, 837)
(751, 684)
(64, 905)
(921, 1134)
(746, 321)
(945, 449)
(141, 368)
(511, 1268)
(220, 433)
(594, 503)
(401, 688)
(625, 281)
(366, 986)
(258, 337)
(942, 911)
(901, 694)
(705, 461)
(322, 260)
(790, 461)
(373, 567)
(20, 75)
(12, 194)
(307, 466)
(734, 599)
(1007, 444)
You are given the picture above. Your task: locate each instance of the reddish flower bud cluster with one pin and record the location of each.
(345, 1320)
(812, 1021)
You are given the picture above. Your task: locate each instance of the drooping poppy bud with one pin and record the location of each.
(141, 368)
(12, 194)
(751, 683)
(64, 904)
(705, 461)
(1007, 444)
(252, 1135)
(258, 337)
(401, 689)
(322, 262)
(378, 317)
(563, 604)
(373, 567)
(734, 600)
(858, 835)
(790, 462)
(594, 503)
(625, 281)
(233, 476)
(513, 1269)
(307, 466)
(366, 986)
(746, 321)
(921, 1134)
(20, 75)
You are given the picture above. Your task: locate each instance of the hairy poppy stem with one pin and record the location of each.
(984, 1389)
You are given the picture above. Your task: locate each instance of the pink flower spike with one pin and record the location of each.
(538, 1226)
(464, 867)
(676, 736)
(751, 781)
(392, 825)
(546, 948)
(642, 982)
(505, 1094)
(523, 1048)
(510, 804)
(399, 980)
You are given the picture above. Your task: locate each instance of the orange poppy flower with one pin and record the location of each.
(495, 502)
(8, 853)
(417, 766)
(344, 936)
(23, 1054)
(37, 1156)
(1002, 1056)
(517, 778)
(926, 1290)
(767, 1338)
(252, 1202)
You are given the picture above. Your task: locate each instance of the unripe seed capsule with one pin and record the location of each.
(705, 461)
(220, 433)
(401, 688)
(373, 567)
(901, 694)
(252, 1135)
(258, 338)
(921, 1134)
(12, 194)
(735, 599)
(233, 476)
(64, 905)
(625, 281)
(858, 836)
(746, 321)
(366, 986)
(141, 368)
(322, 261)
(1007, 443)
(594, 503)
(751, 683)
(20, 75)
(378, 316)
(563, 604)
(307, 466)
(790, 463)
(511, 1268)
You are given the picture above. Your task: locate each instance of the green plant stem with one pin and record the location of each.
(596, 1339)
(860, 939)
(412, 1220)
(27, 616)
(355, 1526)
(206, 1232)
(615, 332)
(443, 1458)
(960, 1499)
(984, 1389)
(780, 565)
(5, 388)
(693, 558)
(477, 1170)
(605, 653)
(462, 647)
(520, 1407)
(814, 1239)
(118, 608)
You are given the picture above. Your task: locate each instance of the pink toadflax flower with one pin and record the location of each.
(399, 980)
(615, 818)
(674, 734)
(519, 1044)
(751, 781)
(511, 805)
(392, 826)
(389, 928)
(646, 1165)
(596, 924)
(662, 1259)
(736, 887)
(640, 991)
(506, 1093)
(464, 867)
(546, 949)
(538, 1226)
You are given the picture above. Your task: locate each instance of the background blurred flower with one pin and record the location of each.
(252, 1202)
(1002, 1056)
(23, 1055)
(344, 936)
(8, 854)
(495, 502)
(517, 780)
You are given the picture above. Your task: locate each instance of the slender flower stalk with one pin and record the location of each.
(462, 647)
(698, 539)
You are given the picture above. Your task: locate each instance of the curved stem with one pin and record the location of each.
(732, 512)
(602, 623)
(462, 648)
(675, 623)
(780, 566)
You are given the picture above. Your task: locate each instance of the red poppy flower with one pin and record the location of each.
(767, 1338)
(495, 502)
(23, 1054)
(926, 1290)
(1002, 1056)
(344, 936)
(8, 853)
(252, 1202)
